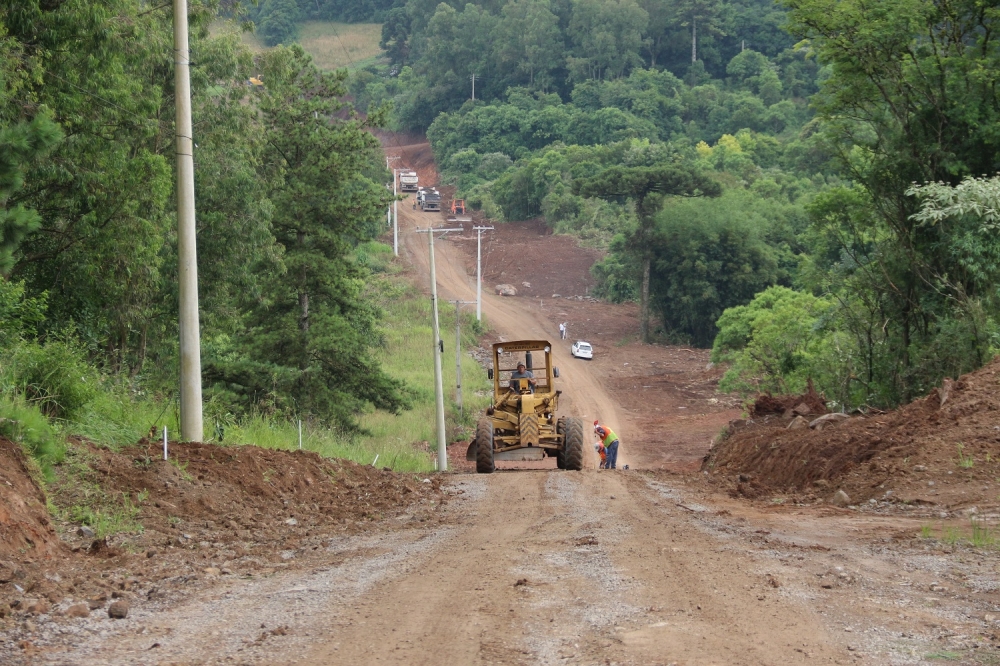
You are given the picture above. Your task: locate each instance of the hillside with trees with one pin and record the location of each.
(816, 121)
(798, 186)
(290, 189)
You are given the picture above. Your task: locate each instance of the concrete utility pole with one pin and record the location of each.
(438, 348)
(388, 209)
(187, 253)
(393, 213)
(479, 270)
(473, 77)
(458, 354)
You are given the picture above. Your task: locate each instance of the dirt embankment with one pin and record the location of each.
(25, 529)
(209, 513)
(939, 450)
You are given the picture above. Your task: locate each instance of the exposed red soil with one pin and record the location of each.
(928, 452)
(784, 404)
(535, 261)
(24, 518)
(211, 511)
(411, 151)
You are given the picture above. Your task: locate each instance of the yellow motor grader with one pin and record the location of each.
(521, 423)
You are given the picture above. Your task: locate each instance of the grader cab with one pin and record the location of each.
(521, 423)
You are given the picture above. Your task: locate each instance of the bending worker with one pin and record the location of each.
(610, 441)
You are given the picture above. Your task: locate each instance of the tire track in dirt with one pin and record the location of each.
(553, 567)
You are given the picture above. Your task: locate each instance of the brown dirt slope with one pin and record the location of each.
(25, 529)
(942, 449)
(240, 509)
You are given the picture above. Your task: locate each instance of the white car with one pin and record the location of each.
(581, 349)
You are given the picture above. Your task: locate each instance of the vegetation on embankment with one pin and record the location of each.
(50, 391)
(290, 198)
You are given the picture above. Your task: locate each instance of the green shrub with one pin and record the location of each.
(23, 423)
(778, 342)
(55, 376)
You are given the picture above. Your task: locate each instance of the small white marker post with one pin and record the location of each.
(376, 459)
(164, 442)
(300, 434)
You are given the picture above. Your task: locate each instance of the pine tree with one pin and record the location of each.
(19, 145)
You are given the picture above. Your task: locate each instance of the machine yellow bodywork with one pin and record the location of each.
(521, 423)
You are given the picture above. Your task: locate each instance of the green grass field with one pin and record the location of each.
(332, 45)
(341, 45)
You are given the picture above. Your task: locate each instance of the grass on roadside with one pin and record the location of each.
(409, 355)
(979, 535)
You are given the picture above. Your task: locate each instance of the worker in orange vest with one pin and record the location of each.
(610, 441)
(602, 452)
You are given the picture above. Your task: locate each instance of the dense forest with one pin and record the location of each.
(798, 185)
(290, 194)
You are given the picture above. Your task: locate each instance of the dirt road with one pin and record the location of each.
(551, 567)
(536, 567)
(588, 398)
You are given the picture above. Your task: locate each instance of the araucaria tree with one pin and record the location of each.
(648, 186)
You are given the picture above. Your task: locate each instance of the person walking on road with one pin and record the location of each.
(562, 331)
(610, 441)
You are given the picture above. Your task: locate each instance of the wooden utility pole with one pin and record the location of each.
(187, 254)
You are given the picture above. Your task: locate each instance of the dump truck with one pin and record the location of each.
(521, 421)
(408, 181)
(429, 199)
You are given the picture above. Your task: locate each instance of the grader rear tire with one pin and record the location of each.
(561, 452)
(484, 447)
(573, 446)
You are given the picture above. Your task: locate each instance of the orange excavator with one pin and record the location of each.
(458, 206)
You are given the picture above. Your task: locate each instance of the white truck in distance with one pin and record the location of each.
(407, 181)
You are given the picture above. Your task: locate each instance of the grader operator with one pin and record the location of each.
(521, 422)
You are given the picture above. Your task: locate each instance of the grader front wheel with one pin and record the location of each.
(561, 453)
(484, 447)
(573, 446)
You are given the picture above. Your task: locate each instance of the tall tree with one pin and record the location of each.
(396, 35)
(530, 41)
(647, 186)
(700, 14)
(103, 71)
(606, 36)
(313, 322)
(913, 96)
(19, 146)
